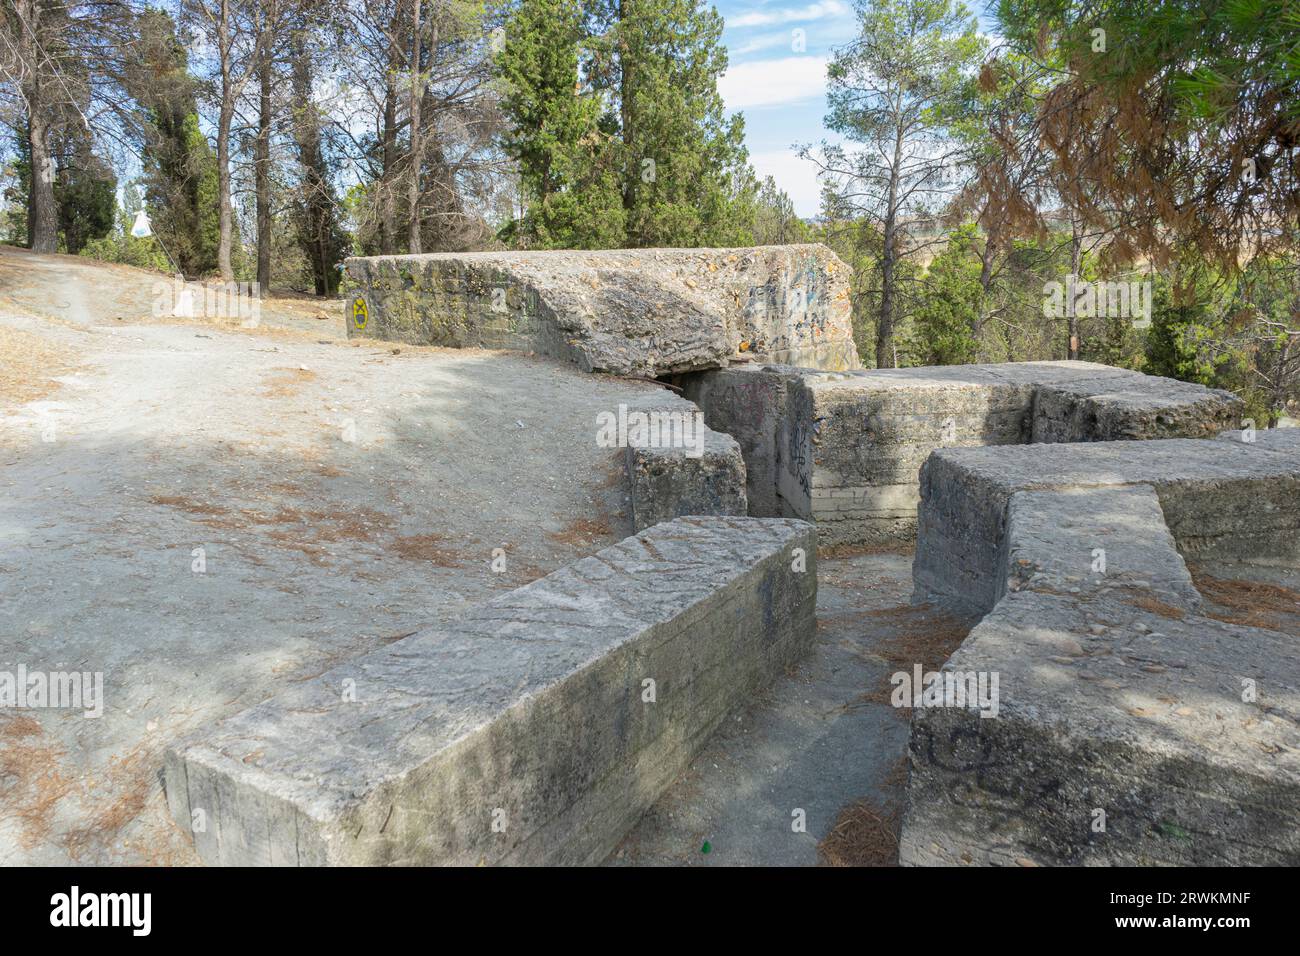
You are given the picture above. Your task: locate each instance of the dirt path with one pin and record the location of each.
(202, 514)
(82, 292)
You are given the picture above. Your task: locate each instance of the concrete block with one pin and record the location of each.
(869, 431)
(522, 734)
(674, 482)
(627, 311)
(1130, 728)
(1220, 500)
(1133, 407)
(746, 402)
(1094, 543)
(1138, 724)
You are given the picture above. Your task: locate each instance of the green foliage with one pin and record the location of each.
(356, 201)
(1262, 339)
(567, 164)
(180, 168)
(1190, 113)
(686, 181)
(85, 193)
(618, 127)
(85, 190)
(951, 302)
(775, 221)
(1114, 340)
(893, 90)
(1208, 52)
(16, 196)
(122, 247)
(857, 242)
(1187, 316)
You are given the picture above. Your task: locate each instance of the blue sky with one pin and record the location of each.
(778, 50)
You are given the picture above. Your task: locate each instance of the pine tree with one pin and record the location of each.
(686, 179)
(775, 220)
(85, 194)
(618, 128)
(945, 318)
(1186, 316)
(566, 162)
(180, 174)
(891, 90)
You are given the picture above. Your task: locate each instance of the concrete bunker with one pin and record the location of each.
(452, 726)
(625, 311)
(843, 449)
(1135, 726)
(761, 340)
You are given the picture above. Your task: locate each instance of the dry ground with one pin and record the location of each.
(342, 496)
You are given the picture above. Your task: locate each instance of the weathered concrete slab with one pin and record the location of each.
(1221, 500)
(525, 734)
(1273, 439)
(674, 464)
(627, 311)
(843, 449)
(747, 402)
(676, 482)
(1094, 542)
(1111, 715)
(1130, 728)
(1116, 405)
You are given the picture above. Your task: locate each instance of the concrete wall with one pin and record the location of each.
(844, 449)
(668, 483)
(630, 311)
(747, 402)
(522, 735)
(1123, 735)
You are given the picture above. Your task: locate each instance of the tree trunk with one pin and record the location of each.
(1076, 263)
(388, 159)
(42, 214)
(1278, 397)
(627, 122)
(225, 215)
(416, 156)
(987, 255)
(986, 265)
(262, 153)
(886, 354)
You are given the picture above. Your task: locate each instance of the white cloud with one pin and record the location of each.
(798, 177)
(773, 82)
(764, 41)
(814, 11)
